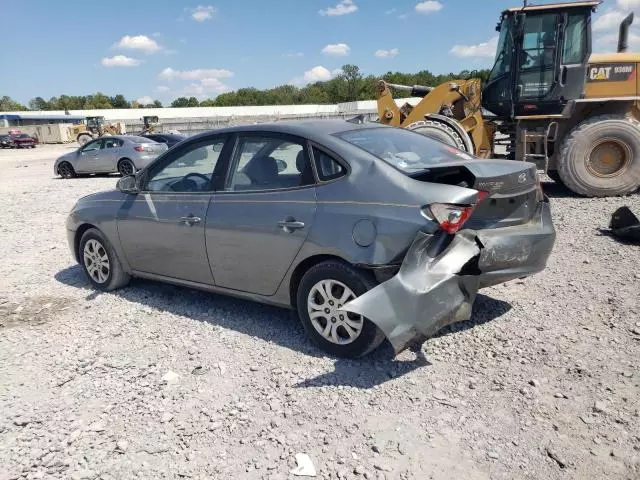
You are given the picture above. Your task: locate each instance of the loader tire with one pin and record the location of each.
(600, 157)
(84, 138)
(439, 131)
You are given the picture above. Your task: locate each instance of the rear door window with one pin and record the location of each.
(327, 167)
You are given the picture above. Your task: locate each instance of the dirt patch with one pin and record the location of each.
(33, 311)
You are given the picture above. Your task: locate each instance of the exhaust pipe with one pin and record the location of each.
(623, 37)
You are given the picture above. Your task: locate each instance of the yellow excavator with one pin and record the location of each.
(548, 100)
(94, 127)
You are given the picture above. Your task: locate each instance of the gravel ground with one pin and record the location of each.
(155, 381)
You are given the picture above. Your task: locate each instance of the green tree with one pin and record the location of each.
(7, 104)
(192, 102)
(180, 102)
(157, 104)
(38, 103)
(119, 102)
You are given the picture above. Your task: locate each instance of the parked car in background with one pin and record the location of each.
(366, 230)
(170, 139)
(23, 140)
(125, 154)
(6, 141)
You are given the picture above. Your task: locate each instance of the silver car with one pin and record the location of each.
(125, 154)
(367, 231)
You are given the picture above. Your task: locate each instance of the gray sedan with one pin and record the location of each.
(125, 154)
(367, 231)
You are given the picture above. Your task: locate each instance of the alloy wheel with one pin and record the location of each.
(324, 304)
(96, 261)
(126, 168)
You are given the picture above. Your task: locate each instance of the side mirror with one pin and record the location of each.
(282, 166)
(128, 185)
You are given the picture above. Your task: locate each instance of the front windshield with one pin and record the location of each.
(504, 51)
(403, 149)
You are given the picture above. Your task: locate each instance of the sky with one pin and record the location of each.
(165, 49)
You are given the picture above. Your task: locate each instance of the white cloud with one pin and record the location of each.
(429, 6)
(196, 74)
(390, 11)
(146, 100)
(138, 42)
(612, 38)
(156, 34)
(608, 21)
(629, 4)
(486, 49)
(343, 8)
(337, 49)
(120, 61)
(162, 88)
(317, 74)
(404, 16)
(293, 55)
(387, 53)
(202, 13)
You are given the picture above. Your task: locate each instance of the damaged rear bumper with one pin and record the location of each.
(437, 286)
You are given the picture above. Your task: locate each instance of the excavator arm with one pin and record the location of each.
(450, 112)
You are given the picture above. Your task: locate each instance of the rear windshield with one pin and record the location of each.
(403, 149)
(136, 139)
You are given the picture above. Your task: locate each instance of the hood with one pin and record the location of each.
(66, 156)
(109, 195)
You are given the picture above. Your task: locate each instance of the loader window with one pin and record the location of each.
(575, 43)
(537, 57)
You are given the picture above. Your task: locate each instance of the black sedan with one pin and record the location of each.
(169, 138)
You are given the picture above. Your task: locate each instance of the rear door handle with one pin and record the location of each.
(190, 220)
(290, 225)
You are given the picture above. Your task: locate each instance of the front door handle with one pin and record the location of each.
(190, 220)
(290, 225)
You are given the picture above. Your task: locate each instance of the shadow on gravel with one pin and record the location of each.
(381, 366)
(271, 324)
(556, 190)
(280, 326)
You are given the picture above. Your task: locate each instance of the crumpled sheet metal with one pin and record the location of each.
(425, 295)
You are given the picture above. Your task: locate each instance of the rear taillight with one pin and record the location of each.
(139, 148)
(452, 217)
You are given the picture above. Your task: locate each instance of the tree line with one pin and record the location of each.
(349, 85)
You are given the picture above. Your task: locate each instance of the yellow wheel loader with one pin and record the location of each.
(548, 100)
(94, 127)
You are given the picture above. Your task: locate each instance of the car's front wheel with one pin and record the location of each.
(100, 262)
(322, 292)
(65, 170)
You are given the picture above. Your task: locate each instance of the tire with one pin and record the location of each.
(126, 167)
(65, 170)
(95, 249)
(439, 131)
(553, 175)
(601, 157)
(84, 138)
(342, 275)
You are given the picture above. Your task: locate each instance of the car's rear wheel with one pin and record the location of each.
(100, 262)
(323, 290)
(126, 167)
(65, 170)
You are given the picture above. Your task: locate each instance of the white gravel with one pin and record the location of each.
(542, 383)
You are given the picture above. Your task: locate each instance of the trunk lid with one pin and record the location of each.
(512, 187)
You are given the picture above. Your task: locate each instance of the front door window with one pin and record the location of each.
(190, 171)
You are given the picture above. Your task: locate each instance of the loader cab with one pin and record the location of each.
(541, 59)
(95, 124)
